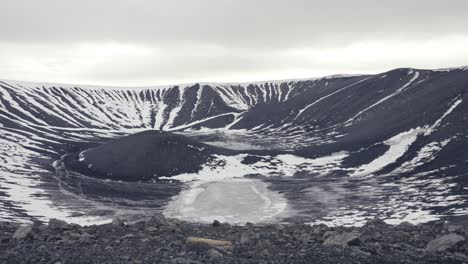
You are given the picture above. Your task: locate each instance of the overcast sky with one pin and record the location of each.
(152, 42)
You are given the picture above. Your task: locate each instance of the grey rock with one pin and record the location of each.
(304, 237)
(329, 233)
(316, 231)
(151, 229)
(213, 253)
(85, 237)
(184, 261)
(405, 226)
(279, 227)
(56, 224)
(376, 222)
(216, 223)
(460, 256)
(23, 232)
(244, 238)
(158, 219)
(343, 240)
(443, 243)
(400, 236)
(117, 221)
(226, 225)
(456, 229)
(265, 252)
(373, 248)
(207, 243)
(129, 235)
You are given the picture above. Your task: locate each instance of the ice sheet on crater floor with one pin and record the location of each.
(234, 201)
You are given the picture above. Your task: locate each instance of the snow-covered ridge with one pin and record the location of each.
(402, 122)
(110, 87)
(93, 106)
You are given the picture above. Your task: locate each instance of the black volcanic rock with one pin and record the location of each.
(143, 156)
(175, 241)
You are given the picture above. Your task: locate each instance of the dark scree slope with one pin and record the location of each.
(144, 156)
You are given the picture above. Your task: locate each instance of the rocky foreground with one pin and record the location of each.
(160, 240)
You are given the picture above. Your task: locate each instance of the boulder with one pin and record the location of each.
(343, 240)
(23, 232)
(443, 243)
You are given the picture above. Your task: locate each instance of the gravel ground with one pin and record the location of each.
(159, 240)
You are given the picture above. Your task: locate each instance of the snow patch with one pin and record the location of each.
(399, 144)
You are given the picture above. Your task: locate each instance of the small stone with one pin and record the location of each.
(405, 225)
(158, 219)
(279, 227)
(373, 248)
(265, 252)
(184, 261)
(329, 234)
(151, 229)
(23, 232)
(56, 224)
(444, 243)
(129, 235)
(226, 225)
(209, 243)
(376, 222)
(316, 231)
(401, 236)
(213, 253)
(244, 238)
(455, 229)
(216, 223)
(249, 224)
(460, 256)
(85, 237)
(343, 240)
(117, 221)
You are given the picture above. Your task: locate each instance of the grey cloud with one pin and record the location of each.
(268, 24)
(224, 40)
